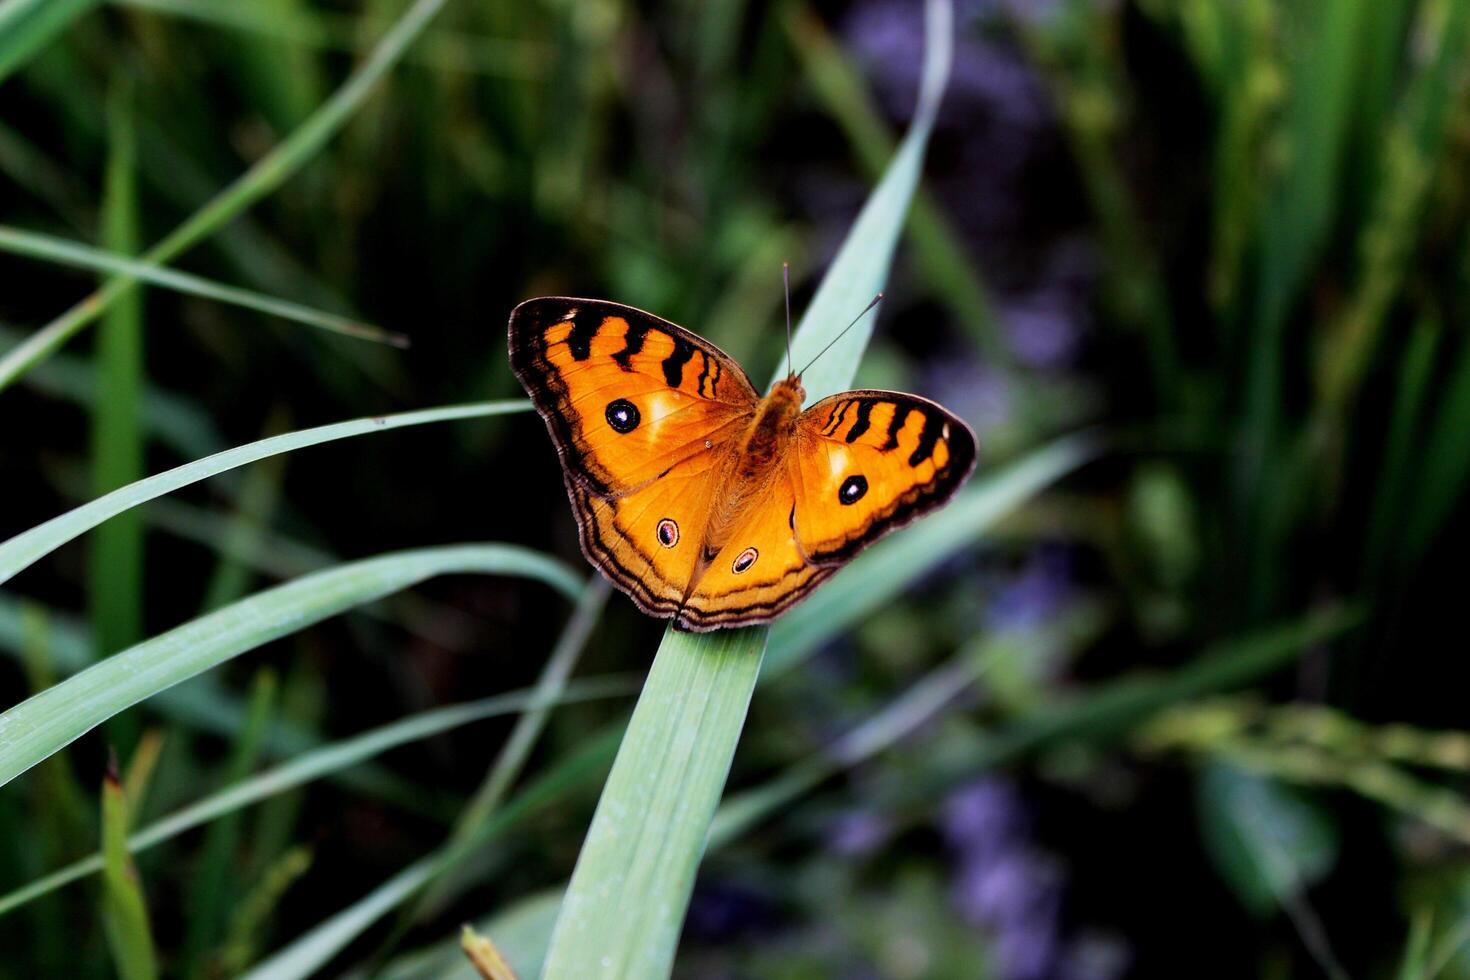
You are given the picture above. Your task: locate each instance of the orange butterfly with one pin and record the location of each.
(705, 502)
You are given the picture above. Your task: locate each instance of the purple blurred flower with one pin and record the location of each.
(1033, 597)
(857, 833)
(1045, 324)
(984, 815)
(1014, 890)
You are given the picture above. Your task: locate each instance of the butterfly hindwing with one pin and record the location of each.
(761, 571)
(868, 462)
(625, 394)
(648, 541)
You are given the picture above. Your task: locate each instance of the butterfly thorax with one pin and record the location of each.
(772, 426)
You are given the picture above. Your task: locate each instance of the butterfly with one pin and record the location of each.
(705, 502)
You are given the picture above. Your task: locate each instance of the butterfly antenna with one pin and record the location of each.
(786, 283)
(876, 300)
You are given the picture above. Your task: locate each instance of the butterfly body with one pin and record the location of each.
(772, 427)
(704, 501)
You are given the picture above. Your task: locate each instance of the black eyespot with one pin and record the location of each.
(623, 415)
(744, 560)
(852, 490)
(668, 532)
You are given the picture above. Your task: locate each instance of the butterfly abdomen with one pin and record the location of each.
(772, 427)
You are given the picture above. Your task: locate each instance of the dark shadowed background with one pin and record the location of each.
(1229, 237)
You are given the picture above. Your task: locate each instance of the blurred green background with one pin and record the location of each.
(1215, 717)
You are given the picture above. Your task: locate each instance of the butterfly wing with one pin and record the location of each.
(642, 413)
(862, 464)
(648, 542)
(869, 462)
(761, 571)
(625, 394)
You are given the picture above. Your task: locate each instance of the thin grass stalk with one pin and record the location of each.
(27, 26)
(319, 763)
(124, 907)
(310, 952)
(627, 898)
(440, 48)
(47, 722)
(213, 889)
(510, 761)
(39, 246)
(115, 564)
(939, 255)
(919, 704)
(29, 546)
(268, 173)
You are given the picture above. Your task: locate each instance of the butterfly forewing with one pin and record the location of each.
(868, 462)
(624, 394)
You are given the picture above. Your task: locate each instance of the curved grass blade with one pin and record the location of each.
(38, 246)
(511, 759)
(25, 548)
(26, 26)
(628, 895)
(436, 876)
(307, 954)
(46, 723)
(263, 177)
(314, 765)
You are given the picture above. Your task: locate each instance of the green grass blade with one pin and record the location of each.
(1411, 146)
(268, 173)
(26, 26)
(124, 909)
(860, 268)
(25, 548)
(318, 763)
(38, 246)
(311, 26)
(201, 705)
(1397, 474)
(1444, 466)
(626, 901)
(1451, 945)
(625, 904)
(1295, 224)
(210, 891)
(115, 564)
(44, 724)
(309, 953)
(1111, 710)
(941, 257)
(511, 759)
